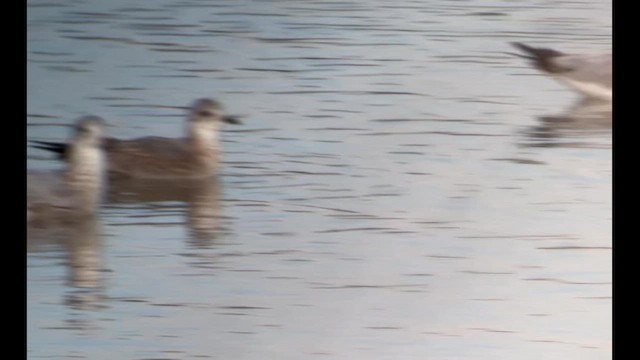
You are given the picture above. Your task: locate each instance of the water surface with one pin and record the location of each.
(402, 187)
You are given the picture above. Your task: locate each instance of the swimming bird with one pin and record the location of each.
(76, 190)
(196, 155)
(589, 74)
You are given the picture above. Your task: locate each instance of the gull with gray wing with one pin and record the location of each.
(76, 190)
(589, 74)
(196, 155)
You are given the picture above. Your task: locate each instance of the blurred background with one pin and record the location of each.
(402, 186)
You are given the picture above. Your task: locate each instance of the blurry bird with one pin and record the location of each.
(76, 190)
(194, 156)
(589, 74)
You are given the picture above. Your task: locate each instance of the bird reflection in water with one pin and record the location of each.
(581, 125)
(200, 197)
(81, 244)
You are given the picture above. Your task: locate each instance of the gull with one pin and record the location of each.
(76, 190)
(589, 74)
(194, 156)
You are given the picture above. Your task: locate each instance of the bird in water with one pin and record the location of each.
(589, 74)
(77, 190)
(196, 155)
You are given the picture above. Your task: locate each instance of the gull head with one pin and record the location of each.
(88, 131)
(209, 111)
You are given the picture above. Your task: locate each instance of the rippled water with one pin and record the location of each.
(402, 186)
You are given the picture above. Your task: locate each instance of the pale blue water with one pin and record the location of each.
(402, 188)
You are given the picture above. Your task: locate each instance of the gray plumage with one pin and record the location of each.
(76, 190)
(196, 155)
(589, 74)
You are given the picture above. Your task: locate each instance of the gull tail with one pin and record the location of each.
(59, 149)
